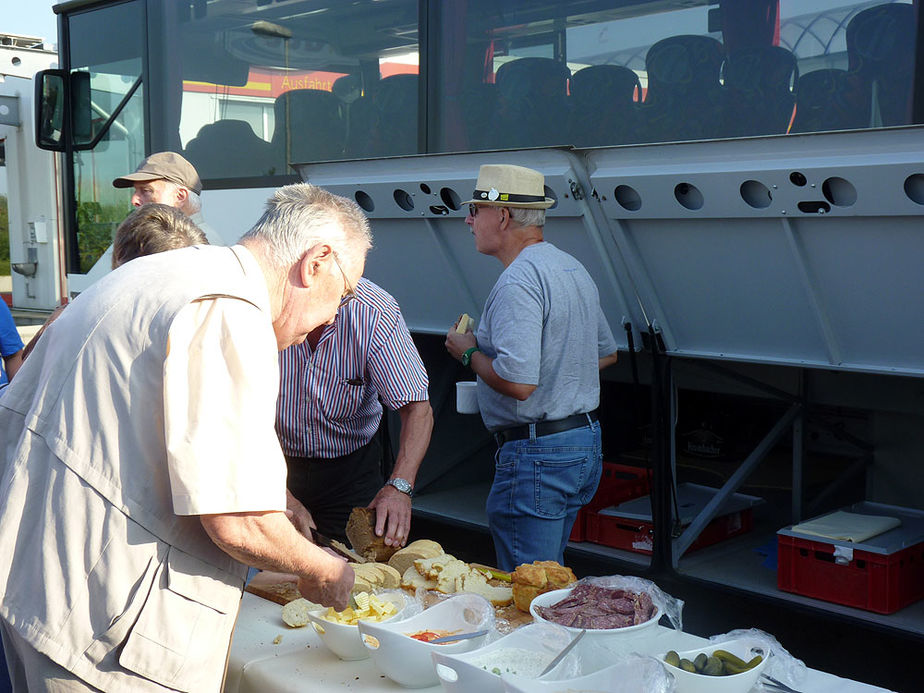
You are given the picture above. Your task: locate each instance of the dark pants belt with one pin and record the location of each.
(544, 428)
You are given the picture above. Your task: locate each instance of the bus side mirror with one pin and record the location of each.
(49, 110)
(51, 97)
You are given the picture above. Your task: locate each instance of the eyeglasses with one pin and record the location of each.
(472, 209)
(349, 292)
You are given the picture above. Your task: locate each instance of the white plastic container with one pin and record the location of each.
(407, 661)
(632, 675)
(687, 682)
(462, 673)
(345, 640)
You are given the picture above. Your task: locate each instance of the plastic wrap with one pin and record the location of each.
(413, 605)
(782, 665)
(669, 606)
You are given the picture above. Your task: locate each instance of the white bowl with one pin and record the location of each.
(345, 640)
(687, 682)
(462, 673)
(407, 661)
(628, 676)
(610, 635)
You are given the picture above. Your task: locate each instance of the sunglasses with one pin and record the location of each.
(349, 293)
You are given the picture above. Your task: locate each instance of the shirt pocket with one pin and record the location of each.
(181, 636)
(343, 398)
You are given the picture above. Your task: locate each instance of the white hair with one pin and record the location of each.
(527, 217)
(300, 216)
(193, 204)
(193, 201)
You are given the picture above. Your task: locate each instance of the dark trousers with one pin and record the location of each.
(330, 488)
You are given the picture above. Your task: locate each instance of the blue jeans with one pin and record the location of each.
(539, 486)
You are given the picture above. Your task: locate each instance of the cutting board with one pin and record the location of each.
(281, 589)
(276, 587)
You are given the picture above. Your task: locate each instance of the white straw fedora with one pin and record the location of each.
(505, 185)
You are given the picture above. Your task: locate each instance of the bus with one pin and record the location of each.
(744, 179)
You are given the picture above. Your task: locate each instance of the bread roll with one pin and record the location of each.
(532, 579)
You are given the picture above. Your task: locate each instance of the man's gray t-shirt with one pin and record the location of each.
(542, 324)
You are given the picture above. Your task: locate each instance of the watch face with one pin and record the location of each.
(401, 484)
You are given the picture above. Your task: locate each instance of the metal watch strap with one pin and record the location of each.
(402, 485)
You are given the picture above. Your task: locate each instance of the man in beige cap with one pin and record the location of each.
(169, 179)
(537, 350)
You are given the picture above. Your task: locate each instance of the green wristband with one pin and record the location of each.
(467, 355)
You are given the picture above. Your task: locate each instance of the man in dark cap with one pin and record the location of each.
(169, 179)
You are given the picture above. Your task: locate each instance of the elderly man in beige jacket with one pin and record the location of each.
(140, 473)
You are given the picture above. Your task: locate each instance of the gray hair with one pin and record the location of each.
(193, 203)
(300, 216)
(528, 217)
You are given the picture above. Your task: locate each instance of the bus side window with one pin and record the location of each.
(532, 103)
(309, 127)
(880, 52)
(605, 109)
(229, 149)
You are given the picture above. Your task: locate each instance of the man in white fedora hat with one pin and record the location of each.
(541, 340)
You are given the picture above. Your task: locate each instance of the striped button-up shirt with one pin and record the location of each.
(329, 397)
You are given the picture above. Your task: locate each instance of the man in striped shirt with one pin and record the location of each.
(332, 388)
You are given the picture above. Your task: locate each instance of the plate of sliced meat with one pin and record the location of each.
(597, 609)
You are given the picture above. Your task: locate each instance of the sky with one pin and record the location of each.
(29, 18)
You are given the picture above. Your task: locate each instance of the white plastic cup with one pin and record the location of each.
(467, 397)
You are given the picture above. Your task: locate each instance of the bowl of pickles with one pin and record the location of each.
(731, 666)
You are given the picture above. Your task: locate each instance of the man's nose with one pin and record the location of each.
(136, 200)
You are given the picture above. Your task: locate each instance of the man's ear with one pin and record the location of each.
(182, 195)
(311, 262)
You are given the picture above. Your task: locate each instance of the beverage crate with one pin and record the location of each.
(618, 483)
(882, 574)
(629, 526)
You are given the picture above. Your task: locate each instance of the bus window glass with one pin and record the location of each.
(108, 119)
(269, 84)
(525, 73)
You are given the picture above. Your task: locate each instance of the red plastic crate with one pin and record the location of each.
(636, 535)
(618, 483)
(870, 581)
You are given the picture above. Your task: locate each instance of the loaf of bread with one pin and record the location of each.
(446, 574)
(532, 579)
(404, 558)
(476, 582)
(360, 530)
(369, 577)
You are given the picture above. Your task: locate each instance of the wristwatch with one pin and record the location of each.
(402, 485)
(467, 355)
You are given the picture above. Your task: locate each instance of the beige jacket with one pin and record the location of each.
(97, 570)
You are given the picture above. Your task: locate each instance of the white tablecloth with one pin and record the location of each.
(300, 662)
